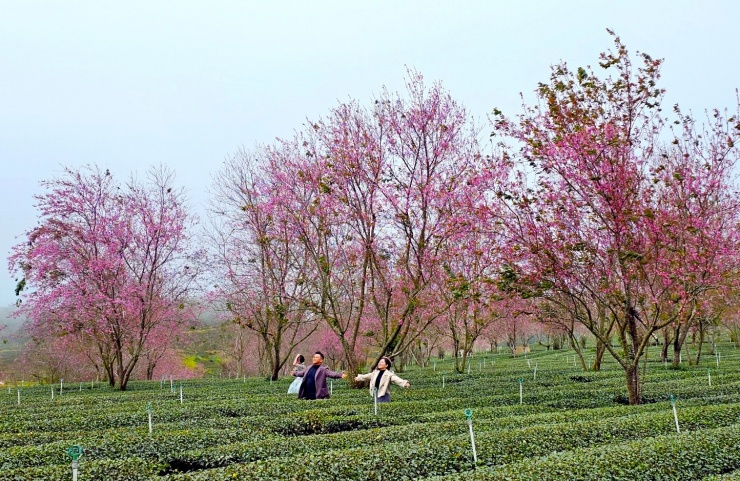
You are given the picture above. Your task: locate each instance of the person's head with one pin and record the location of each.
(318, 358)
(384, 363)
(299, 359)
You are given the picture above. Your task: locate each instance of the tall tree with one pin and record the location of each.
(108, 263)
(261, 264)
(594, 229)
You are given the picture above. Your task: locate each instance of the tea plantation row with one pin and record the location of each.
(568, 424)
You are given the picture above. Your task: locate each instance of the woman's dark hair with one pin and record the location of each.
(301, 359)
(387, 362)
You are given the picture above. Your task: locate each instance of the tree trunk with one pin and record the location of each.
(577, 348)
(666, 343)
(701, 342)
(600, 350)
(633, 384)
(678, 342)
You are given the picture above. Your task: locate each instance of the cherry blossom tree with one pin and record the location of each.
(697, 226)
(374, 196)
(600, 228)
(260, 263)
(108, 263)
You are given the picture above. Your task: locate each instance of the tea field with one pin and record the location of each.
(538, 417)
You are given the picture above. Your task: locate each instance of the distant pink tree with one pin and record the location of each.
(696, 226)
(108, 263)
(468, 287)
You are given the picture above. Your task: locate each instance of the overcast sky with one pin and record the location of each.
(127, 85)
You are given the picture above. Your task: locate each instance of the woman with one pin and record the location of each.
(381, 378)
(297, 366)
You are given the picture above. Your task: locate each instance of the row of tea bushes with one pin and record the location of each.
(263, 409)
(445, 452)
(254, 430)
(501, 440)
(686, 456)
(733, 476)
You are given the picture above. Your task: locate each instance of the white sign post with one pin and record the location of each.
(375, 399)
(521, 392)
(74, 452)
(469, 417)
(675, 414)
(149, 415)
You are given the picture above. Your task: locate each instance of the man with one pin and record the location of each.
(314, 379)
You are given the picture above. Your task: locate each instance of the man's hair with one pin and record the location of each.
(320, 354)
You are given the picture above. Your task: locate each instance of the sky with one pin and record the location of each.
(185, 84)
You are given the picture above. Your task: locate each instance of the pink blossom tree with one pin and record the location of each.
(108, 263)
(595, 230)
(374, 197)
(260, 262)
(697, 224)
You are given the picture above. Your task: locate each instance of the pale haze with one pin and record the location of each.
(128, 85)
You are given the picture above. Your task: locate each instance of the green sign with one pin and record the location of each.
(74, 452)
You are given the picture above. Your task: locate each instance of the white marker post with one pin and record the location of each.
(172, 386)
(709, 376)
(19, 396)
(529, 363)
(469, 417)
(74, 452)
(61, 386)
(535, 371)
(331, 387)
(521, 392)
(443, 381)
(180, 393)
(375, 399)
(468, 367)
(52, 393)
(149, 415)
(675, 414)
